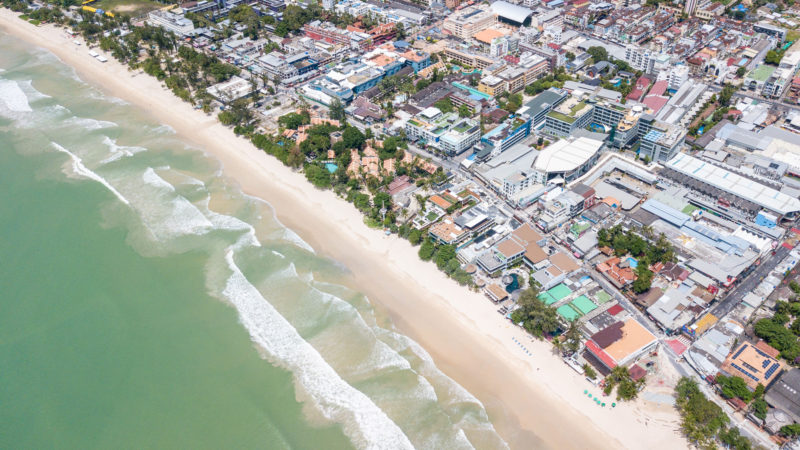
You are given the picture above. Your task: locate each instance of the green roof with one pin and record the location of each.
(602, 297)
(560, 291)
(547, 298)
(568, 312)
(560, 116)
(583, 304)
(688, 209)
(762, 72)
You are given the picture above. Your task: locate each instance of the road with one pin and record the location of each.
(737, 294)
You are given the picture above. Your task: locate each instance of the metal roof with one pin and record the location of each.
(510, 11)
(565, 155)
(735, 184)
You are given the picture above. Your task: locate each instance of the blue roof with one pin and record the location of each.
(401, 44)
(653, 135)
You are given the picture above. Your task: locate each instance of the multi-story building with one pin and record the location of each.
(430, 125)
(570, 115)
(461, 137)
(659, 141)
(172, 21)
(640, 59)
(609, 113)
(677, 76)
(468, 58)
(493, 85)
(508, 133)
(540, 105)
(468, 21)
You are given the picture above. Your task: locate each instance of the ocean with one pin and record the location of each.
(147, 302)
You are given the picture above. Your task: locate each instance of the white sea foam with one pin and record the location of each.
(89, 124)
(278, 254)
(80, 169)
(164, 129)
(13, 96)
(119, 151)
(181, 217)
(292, 237)
(226, 222)
(362, 421)
(31, 92)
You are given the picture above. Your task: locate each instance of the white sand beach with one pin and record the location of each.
(534, 401)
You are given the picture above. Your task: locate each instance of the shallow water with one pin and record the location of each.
(148, 302)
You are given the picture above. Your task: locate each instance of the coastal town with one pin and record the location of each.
(619, 179)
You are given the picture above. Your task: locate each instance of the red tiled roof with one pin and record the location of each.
(614, 310)
(600, 354)
(659, 87)
(636, 372)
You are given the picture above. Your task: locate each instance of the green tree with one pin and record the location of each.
(741, 71)
(426, 250)
(414, 236)
(464, 111)
(353, 138)
(536, 317)
(589, 372)
(444, 105)
(572, 337)
(598, 53)
(443, 255)
(734, 387)
(701, 419)
(318, 176)
(337, 111)
(792, 430)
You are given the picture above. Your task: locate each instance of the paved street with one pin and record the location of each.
(735, 297)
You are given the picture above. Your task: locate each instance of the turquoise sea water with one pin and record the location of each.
(146, 302)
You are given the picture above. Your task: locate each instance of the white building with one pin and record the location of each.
(230, 90)
(172, 20)
(461, 137)
(566, 160)
(677, 76)
(640, 59)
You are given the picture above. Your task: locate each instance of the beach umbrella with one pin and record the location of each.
(585, 391)
(603, 405)
(590, 395)
(613, 405)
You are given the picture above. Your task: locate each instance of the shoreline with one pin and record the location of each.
(532, 401)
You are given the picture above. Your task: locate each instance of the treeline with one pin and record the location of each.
(703, 422)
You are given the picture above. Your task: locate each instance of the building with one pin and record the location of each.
(572, 114)
(784, 393)
(172, 21)
(620, 344)
(661, 142)
(468, 58)
(231, 90)
(430, 125)
(640, 59)
(461, 137)
(513, 15)
(565, 160)
(508, 133)
(565, 206)
(540, 105)
(524, 240)
(755, 363)
(467, 22)
(719, 183)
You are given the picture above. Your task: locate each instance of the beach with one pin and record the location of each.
(534, 401)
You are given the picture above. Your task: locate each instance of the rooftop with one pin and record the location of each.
(567, 155)
(733, 183)
(752, 364)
